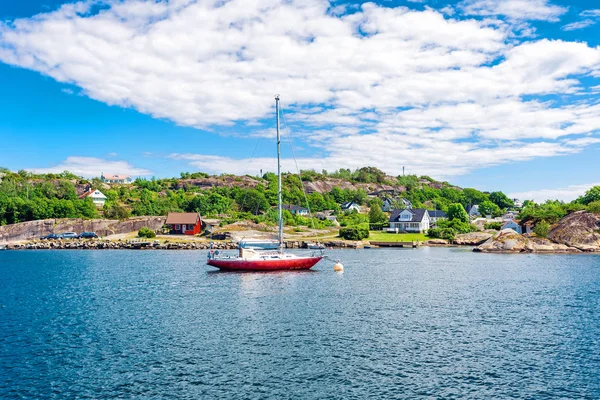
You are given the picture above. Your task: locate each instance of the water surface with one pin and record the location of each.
(425, 323)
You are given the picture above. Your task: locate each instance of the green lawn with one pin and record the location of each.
(379, 236)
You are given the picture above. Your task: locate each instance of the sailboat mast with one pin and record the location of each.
(279, 205)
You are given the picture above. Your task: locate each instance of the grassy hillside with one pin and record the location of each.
(25, 196)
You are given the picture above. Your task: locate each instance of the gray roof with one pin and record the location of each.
(293, 207)
(417, 215)
(436, 214)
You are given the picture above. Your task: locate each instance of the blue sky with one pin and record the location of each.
(497, 95)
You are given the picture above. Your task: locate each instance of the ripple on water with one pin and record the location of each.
(430, 323)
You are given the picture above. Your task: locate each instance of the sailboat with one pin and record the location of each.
(250, 259)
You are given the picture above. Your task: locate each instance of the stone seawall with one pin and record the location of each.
(103, 227)
(150, 244)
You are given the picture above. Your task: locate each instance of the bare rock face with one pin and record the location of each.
(541, 245)
(507, 240)
(436, 242)
(580, 229)
(473, 238)
(103, 227)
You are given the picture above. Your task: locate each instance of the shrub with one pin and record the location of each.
(441, 233)
(594, 207)
(493, 225)
(354, 232)
(458, 226)
(146, 232)
(542, 229)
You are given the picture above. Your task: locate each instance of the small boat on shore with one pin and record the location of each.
(3, 247)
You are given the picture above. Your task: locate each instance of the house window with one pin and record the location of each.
(177, 227)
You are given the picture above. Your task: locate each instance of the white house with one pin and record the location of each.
(473, 211)
(509, 215)
(435, 216)
(517, 203)
(109, 178)
(389, 203)
(512, 224)
(296, 210)
(409, 220)
(349, 206)
(97, 197)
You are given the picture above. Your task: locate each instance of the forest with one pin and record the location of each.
(25, 196)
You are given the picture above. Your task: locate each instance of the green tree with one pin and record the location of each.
(473, 196)
(252, 201)
(458, 212)
(489, 208)
(594, 207)
(376, 216)
(591, 195)
(542, 229)
(501, 200)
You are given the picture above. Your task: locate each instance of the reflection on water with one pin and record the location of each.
(423, 323)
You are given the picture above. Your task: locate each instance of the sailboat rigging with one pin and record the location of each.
(250, 259)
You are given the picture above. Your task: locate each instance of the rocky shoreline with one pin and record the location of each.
(92, 244)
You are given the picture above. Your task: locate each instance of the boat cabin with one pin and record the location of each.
(184, 223)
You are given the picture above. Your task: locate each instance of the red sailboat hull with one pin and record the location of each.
(265, 265)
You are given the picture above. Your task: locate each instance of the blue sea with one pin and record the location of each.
(428, 323)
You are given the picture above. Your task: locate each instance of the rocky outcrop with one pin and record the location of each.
(509, 241)
(473, 238)
(580, 230)
(436, 242)
(219, 181)
(103, 227)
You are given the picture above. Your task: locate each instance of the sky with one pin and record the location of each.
(492, 94)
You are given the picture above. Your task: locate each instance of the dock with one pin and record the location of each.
(413, 244)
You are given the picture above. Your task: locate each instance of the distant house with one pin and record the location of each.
(510, 215)
(389, 203)
(349, 206)
(109, 178)
(514, 225)
(184, 223)
(527, 227)
(97, 197)
(435, 216)
(517, 203)
(296, 210)
(473, 211)
(409, 220)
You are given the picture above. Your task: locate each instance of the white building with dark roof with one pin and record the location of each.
(409, 220)
(296, 210)
(435, 216)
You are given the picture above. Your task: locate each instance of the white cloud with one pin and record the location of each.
(578, 25)
(91, 167)
(565, 194)
(368, 85)
(590, 13)
(541, 10)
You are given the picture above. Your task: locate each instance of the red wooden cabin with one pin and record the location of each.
(184, 223)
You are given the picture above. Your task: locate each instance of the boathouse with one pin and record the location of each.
(184, 223)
